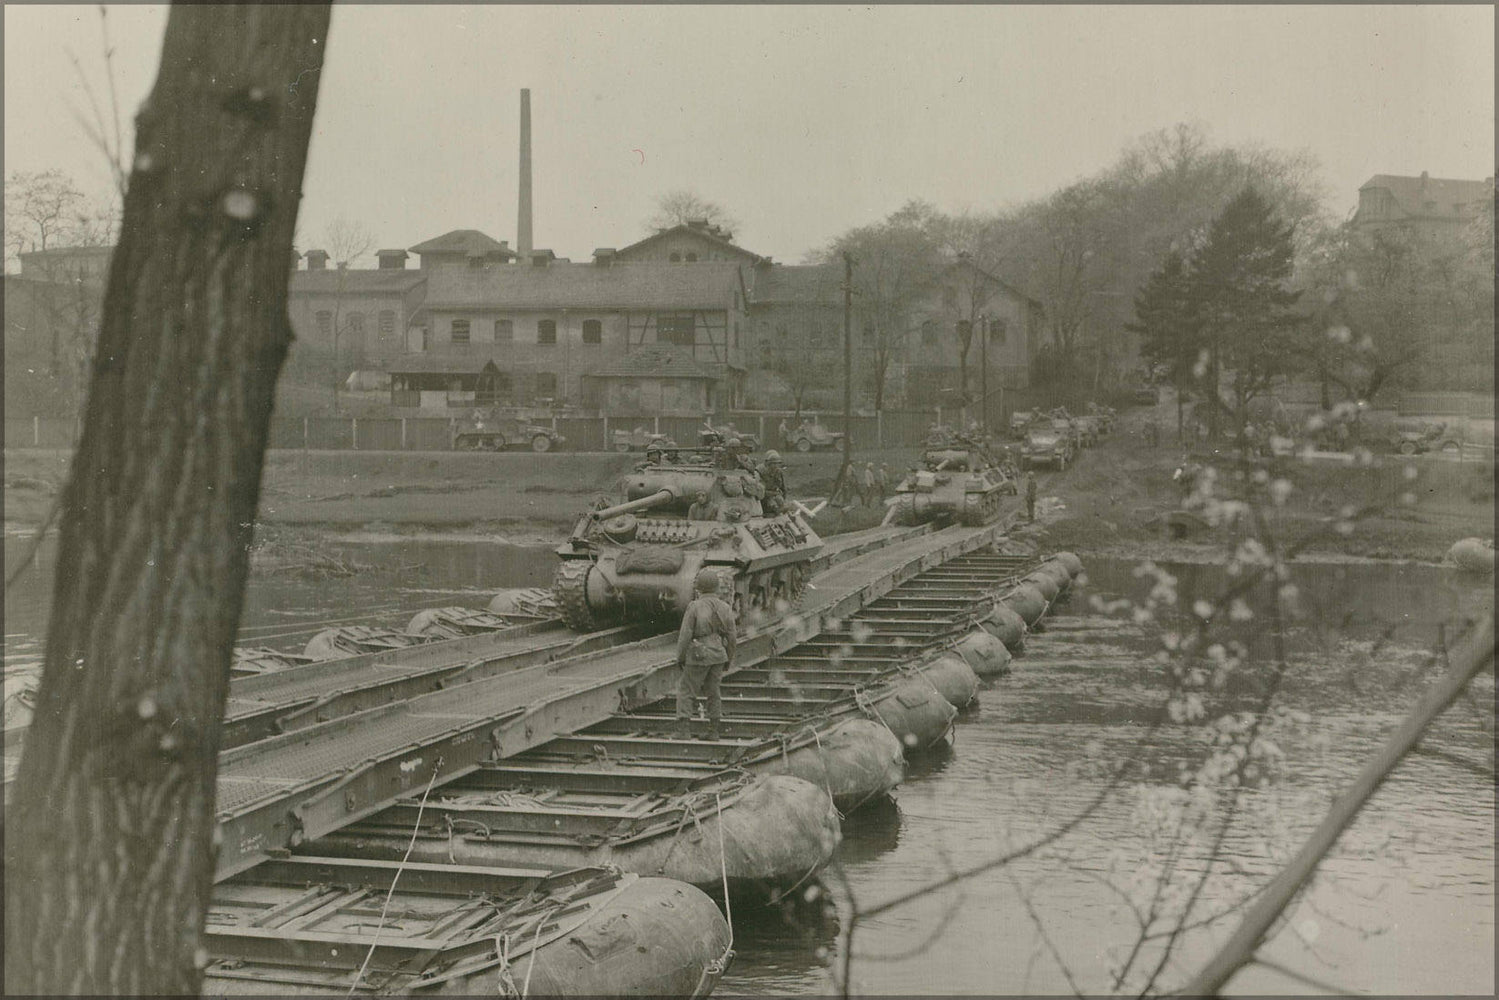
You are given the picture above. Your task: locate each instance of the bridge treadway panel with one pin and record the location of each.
(275, 776)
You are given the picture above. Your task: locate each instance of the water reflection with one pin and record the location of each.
(1401, 906)
(870, 830)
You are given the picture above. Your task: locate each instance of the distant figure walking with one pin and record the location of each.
(1030, 494)
(872, 491)
(705, 649)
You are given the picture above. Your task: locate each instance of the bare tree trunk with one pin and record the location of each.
(109, 849)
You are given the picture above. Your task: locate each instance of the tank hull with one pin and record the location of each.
(638, 560)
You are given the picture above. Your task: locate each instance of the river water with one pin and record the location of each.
(1403, 905)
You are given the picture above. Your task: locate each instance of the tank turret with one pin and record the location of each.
(636, 559)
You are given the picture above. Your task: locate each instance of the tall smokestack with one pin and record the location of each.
(523, 213)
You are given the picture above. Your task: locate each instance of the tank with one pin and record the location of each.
(960, 483)
(636, 560)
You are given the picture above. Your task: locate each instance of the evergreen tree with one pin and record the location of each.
(1239, 294)
(1169, 336)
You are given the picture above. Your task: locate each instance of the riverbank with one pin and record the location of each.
(1114, 500)
(1118, 499)
(521, 498)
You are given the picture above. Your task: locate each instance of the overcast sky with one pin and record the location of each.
(801, 121)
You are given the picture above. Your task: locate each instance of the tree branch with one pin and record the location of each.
(1475, 653)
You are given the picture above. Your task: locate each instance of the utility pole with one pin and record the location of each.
(846, 471)
(984, 374)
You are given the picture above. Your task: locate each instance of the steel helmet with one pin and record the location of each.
(706, 581)
(772, 456)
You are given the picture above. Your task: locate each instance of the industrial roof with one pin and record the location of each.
(463, 241)
(699, 230)
(355, 281)
(646, 285)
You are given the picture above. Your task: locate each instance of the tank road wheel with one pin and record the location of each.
(803, 444)
(570, 591)
(905, 508)
(541, 443)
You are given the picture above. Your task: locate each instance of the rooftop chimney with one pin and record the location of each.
(317, 260)
(523, 213)
(391, 260)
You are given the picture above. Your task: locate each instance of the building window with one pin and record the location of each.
(593, 331)
(928, 333)
(676, 258)
(325, 322)
(999, 329)
(692, 258)
(387, 323)
(676, 328)
(546, 331)
(356, 324)
(546, 384)
(460, 332)
(504, 331)
(950, 297)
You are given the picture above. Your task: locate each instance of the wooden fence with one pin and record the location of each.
(889, 429)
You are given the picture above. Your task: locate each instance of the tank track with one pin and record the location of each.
(980, 509)
(905, 509)
(570, 590)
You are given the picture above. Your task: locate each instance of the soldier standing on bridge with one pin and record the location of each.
(705, 649)
(1030, 493)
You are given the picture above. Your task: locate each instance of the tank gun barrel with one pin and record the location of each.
(658, 497)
